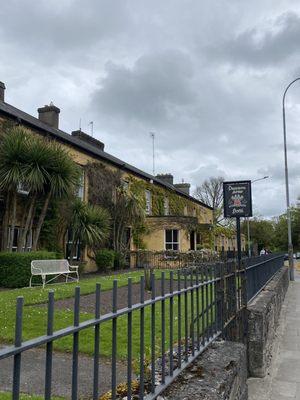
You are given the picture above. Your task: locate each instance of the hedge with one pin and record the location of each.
(105, 259)
(15, 270)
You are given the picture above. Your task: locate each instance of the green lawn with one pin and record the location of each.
(35, 316)
(7, 396)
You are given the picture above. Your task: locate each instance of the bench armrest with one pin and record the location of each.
(36, 269)
(74, 267)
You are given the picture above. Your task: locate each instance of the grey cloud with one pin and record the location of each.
(260, 47)
(199, 74)
(150, 91)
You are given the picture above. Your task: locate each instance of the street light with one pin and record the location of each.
(248, 219)
(288, 211)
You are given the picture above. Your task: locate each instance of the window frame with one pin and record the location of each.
(148, 197)
(80, 192)
(172, 242)
(166, 206)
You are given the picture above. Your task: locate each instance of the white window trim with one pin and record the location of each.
(81, 186)
(148, 196)
(166, 206)
(178, 239)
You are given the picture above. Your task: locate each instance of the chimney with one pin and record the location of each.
(2, 91)
(183, 187)
(88, 139)
(166, 178)
(49, 115)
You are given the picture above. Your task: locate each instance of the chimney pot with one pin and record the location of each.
(183, 187)
(84, 137)
(167, 178)
(49, 115)
(2, 91)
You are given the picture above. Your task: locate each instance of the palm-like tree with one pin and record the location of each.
(89, 225)
(36, 174)
(128, 211)
(61, 181)
(43, 167)
(13, 147)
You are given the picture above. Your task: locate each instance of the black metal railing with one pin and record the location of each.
(259, 271)
(185, 311)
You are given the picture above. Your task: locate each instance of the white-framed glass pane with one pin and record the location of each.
(148, 202)
(80, 190)
(166, 206)
(172, 239)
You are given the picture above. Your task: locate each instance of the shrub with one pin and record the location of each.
(119, 260)
(105, 259)
(15, 270)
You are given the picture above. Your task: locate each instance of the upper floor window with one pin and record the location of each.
(185, 211)
(166, 206)
(172, 239)
(194, 212)
(125, 184)
(148, 202)
(80, 189)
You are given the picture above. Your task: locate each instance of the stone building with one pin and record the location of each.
(175, 220)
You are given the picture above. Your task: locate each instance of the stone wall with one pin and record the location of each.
(263, 317)
(220, 373)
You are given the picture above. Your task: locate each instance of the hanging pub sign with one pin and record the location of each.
(237, 199)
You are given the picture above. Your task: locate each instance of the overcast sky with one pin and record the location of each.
(206, 76)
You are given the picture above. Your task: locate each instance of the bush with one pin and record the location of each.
(15, 269)
(119, 260)
(105, 259)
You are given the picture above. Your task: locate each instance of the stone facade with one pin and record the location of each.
(220, 373)
(263, 317)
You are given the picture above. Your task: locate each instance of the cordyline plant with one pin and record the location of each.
(43, 169)
(89, 225)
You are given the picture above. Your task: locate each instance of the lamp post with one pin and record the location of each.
(248, 220)
(288, 211)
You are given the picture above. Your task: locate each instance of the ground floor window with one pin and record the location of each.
(69, 244)
(15, 236)
(192, 240)
(172, 239)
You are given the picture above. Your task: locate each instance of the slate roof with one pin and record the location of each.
(27, 119)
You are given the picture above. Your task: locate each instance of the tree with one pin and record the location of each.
(13, 148)
(107, 189)
(89, 225)
(62, 178)
(211, 193)
(43, 169)
(262, 232)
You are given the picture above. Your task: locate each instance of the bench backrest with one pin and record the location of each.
(49, 266)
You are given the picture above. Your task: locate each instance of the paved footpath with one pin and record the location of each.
(283, 379)
(33, 374)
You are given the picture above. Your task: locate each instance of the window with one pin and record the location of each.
(172, 239)
(194, 212)
(80, 190)
(69, 244)
(125, 185)
(23, 188)
(185, 211)
(166, 206)
(148, 202)
(16, 235)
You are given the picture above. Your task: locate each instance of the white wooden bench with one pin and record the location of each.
(58, 268)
